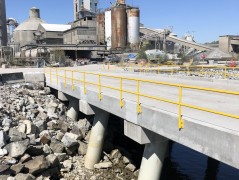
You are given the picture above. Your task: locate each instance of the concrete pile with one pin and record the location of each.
(38, 141)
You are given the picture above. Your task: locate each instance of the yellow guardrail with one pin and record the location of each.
(188, 70)
(62, 73)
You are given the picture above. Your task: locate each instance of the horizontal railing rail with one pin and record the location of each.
(68, 75)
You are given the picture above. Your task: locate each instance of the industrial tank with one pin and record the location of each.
(108, 28)
(133, 28)
(100, 29)
(3, 25)
(119, 27)
(23, 34)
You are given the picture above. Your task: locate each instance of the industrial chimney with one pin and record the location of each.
(3, 25)
(34, 13)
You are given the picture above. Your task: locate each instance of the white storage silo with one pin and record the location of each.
(108, 26)
(133, 28)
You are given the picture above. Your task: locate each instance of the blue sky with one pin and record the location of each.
(206, 19)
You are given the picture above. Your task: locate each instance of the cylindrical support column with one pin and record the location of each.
(73, 108)
(152, 161)
(96, 141)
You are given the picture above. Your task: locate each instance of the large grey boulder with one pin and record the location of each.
(82, 148)
(3, 139)
(70, 139)
(17, 148)
(16, 135)
(17, 168)
(53, 160)
(61, 156)
(21, 176)
(3, 152)
(30, 127)
(56, 146)
(4, 177)
(45, 137)
(3, 167)
(41, 125)
(37, 165)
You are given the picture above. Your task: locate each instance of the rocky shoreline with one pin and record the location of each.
(38, 140)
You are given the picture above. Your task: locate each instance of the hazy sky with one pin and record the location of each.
(206, 19)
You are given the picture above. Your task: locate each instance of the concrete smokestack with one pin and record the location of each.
(3, 24)
(34, 13)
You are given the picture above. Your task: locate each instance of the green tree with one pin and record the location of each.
(142, 55)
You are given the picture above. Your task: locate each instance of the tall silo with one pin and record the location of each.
(100, 29)
(3, 24)
(108, 28)
(23, 34)
(119, 27)
(133, 28)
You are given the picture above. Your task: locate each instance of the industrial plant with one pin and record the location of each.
(94, 35)
(107, 97)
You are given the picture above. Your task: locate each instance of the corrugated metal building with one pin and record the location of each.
(83, 31)
(53, 33)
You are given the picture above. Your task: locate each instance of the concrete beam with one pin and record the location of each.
(34, 77)
(135, 132)
(86, 108)
(62, 96)
(140, 134)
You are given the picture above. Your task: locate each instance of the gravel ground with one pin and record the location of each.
(38, 140)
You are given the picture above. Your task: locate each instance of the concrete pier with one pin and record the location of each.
(95, 145)
(73, 107)
(152, 161)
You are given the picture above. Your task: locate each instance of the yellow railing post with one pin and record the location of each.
(65, 77)
(202, 71)
(172, 71)
(99, 86)
(72, 80)
(187, 70)
(50, 76)
(56, 76)
(121, 93)
(139, 109)
(180, 97)
(84, 83)
(225, 72)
